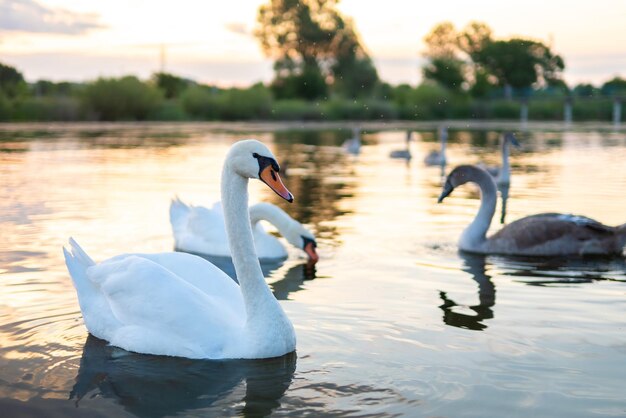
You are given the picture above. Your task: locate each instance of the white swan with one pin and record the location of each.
(179, 304)
(438, 157)
(502, 174)
(201, 230)
(353, 145)
(545, 234)
(406, 152)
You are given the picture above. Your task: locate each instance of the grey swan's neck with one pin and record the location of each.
(505, 171)
(474, 236)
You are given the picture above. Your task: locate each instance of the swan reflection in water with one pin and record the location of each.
(553, 271)
(291, 281)
(474, 265)
(158, 386)
(504, 196)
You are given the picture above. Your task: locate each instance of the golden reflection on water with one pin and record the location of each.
(389, 278)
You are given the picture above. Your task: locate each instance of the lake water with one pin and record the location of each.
(393, 321)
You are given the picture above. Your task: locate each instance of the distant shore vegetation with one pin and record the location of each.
(322, 71)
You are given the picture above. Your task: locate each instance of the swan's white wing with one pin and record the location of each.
(162, 313)
(200, 273)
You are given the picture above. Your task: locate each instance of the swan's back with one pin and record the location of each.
(555, 234)
(198, 229)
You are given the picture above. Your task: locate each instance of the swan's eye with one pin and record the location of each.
(255, 155)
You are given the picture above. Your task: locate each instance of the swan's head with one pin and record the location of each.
(251, 159)
(302, 238)
(461, 175)
(510, 137)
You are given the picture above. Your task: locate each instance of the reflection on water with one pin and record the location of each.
(504, 197)
(158, 386)
(372, 340)
(475, 266)
(290, 280)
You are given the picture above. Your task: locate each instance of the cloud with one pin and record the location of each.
(30, 16)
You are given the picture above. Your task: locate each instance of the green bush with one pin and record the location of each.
(125, 98)
(592, 110)
(231, 104)
(546, 110)
(338, 109)
(169, 110)
(504, 109)
(200, 102)
(243, 104)
(4, 109)
(45, 109)
(297, 110)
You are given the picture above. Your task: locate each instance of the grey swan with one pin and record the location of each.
(502, 174)
(543, 235)
(405, 153)
(438, 157)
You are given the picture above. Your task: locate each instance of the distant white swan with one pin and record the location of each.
(406, 152)
(545, 234)
(502, 174)
(201, 230)
(438, 157)
(353, 145)
(179, 304)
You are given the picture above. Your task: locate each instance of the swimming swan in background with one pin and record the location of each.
(201, 230)
(502, 174)
(353, 145)
(178, 304)
(438, 157)
(406, 152)
(545, 234)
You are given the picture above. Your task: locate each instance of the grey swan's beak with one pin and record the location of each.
(447, 189)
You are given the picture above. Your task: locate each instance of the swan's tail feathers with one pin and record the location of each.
(79, 254)
(78, 262)
(179, 214)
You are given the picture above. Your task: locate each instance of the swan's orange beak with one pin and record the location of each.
(270, 177)
(309, 249)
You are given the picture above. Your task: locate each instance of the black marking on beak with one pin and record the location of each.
(265, 161)
(307, 241)
(447, 189)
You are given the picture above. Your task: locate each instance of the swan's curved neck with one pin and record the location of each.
(475, 234)
(272, 214)
(258, 298)
(505, 173)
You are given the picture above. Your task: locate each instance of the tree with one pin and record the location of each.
(614, 87)
(125, 98)
(448, 72)
(585, 90)
(474, 38)
(310, 41)
(12, 82)
(519, 63)
(171, 85)
(444, 66)
(441, 42)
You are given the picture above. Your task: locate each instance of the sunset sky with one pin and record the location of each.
(210, 41)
